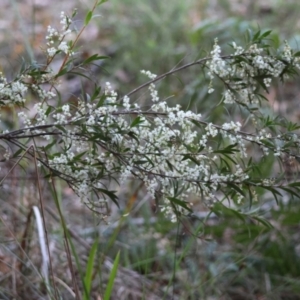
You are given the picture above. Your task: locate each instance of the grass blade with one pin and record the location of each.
(112, 277)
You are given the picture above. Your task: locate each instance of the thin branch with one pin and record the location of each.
(162, 76)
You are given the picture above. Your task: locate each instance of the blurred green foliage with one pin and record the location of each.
(224, 257)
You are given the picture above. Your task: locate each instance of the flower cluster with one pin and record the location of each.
(153, 91)
(12, 92)
(176, 153)
(156, 150)
(247, 64)
(56, 39)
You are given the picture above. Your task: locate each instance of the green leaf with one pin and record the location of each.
(236, 188)
(260, 79)
(74, 13)
(267, 143)
(292, 126)
(48, 111)
(229, 149)
(62, 72)
(290, 191)
(229, 158)
(110, 194)
(149, 161)
(94, 58)
(297, 54)
(79, 74)
(197, 123)
(236, 213)
(88, 18)
(249, 165)
(101, 101)
(16, 154)
(201, 148)
(112, 277)
(273, 191)
(136, 121)
(263, 221)
(169, 165)
(75, 254)
(50, 145)
(250, 197)
(78, 156)
(294, 184)
(37, 72)
(61, 128)
(265, 34)
(219, 209)
(89, 269)
(96, 93)
(190, 157)
(180, 203)
(256, 36)
(101, 2)
(241, 58)
(133, 135)
(249, 35)
(262, 97)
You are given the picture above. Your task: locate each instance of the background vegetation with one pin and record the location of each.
(212, 257)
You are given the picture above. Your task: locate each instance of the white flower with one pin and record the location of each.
(51, 51)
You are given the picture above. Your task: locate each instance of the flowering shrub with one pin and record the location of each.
(176, 153)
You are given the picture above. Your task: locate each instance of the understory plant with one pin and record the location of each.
(180, 156)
